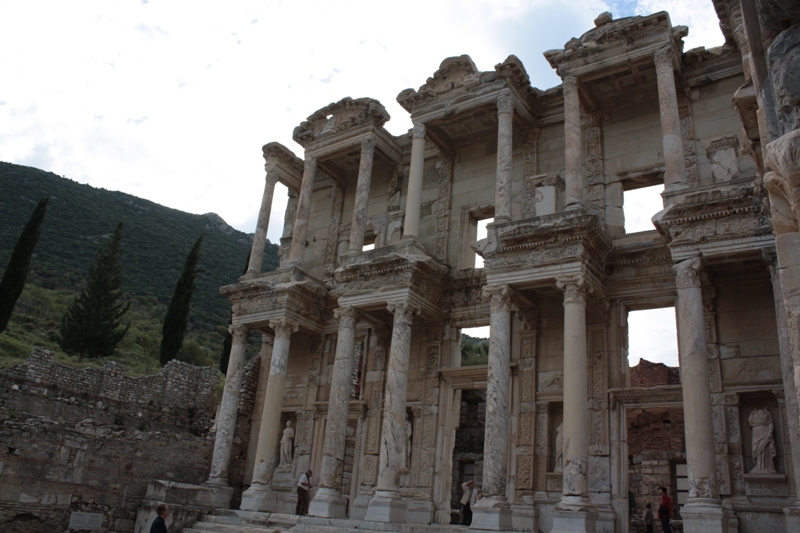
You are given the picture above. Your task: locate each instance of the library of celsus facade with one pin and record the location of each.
(360, 374)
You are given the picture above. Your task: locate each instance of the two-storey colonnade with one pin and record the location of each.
(360, 347)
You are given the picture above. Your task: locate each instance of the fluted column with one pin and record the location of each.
(260, 238)
(297, 250)
(505, 121)
(576, 419)
(674, 174)
(226, 418)
(362, 195)
(573, 175)
(492, 512)
(386, 505)
(414, 198)
(328, 501)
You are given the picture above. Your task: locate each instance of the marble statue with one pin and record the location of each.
(286, 447)
(559, 465)
(763, 442)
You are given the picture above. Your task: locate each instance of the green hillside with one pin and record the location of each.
(155, 242)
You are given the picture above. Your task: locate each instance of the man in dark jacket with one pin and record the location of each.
(160, 523)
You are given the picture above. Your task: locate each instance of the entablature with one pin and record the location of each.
(288, 166)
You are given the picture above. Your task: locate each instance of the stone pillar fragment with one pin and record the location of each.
(386, 505)
(493, 511)
(226, 417)
(417, 166)
(303, 212)
(362, 195)
(260, 238)
(329, 501)
(505, 123)
(264, 467)
(703, 510)
(674, 174)
(573, 177)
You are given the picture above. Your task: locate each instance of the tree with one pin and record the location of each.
(227, 344)
(18, 266)
(92, 325)
(177, 319)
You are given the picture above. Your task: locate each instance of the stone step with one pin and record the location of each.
(201, 528)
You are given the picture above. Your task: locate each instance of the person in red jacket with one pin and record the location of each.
(665, 510)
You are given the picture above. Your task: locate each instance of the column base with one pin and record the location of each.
(386, 506)
(221, 493)
(492, 513)
(258, 498)
(328, 503)
(524, 517)
(792, 517)
(568, 519)
(706, 516)
(358, 509)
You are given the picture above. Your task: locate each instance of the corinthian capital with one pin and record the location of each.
(499, 297)
(310, 164)
(419, 131)
(403, 311)
(346, 316)
(284, 327)
(687, 273)
(569, 84)
(368, 144)
(239, 333)
(663, 57)
(574, 287)
(271, 178)
(505, 104)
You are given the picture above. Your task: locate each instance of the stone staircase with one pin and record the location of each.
(234, 521)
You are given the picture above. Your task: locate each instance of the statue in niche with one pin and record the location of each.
(286, 447)
(559, 465)
(763, 442)
(405, 467)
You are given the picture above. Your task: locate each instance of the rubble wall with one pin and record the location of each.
(89, 440)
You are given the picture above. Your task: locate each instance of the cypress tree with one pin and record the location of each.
(18, 266)
(177, 319)
(227, 343)
(92, 325)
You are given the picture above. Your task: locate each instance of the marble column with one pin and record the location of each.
(226, 417)
(329, 501)
(493, 511)
(789, 389)
(573, 175)
(573, 512)
(414, 198)
(505, 121)
(362, 195)
(674, 174)
(260, 238)
(703, 510)
(386, 505)
(253, 499)
(298, 248)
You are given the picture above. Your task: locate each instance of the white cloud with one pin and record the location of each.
(172, 101)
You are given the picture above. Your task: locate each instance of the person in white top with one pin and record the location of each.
(303, 486)
(468, 499)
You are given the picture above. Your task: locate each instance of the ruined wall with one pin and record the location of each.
(647, 374)
(90, 440)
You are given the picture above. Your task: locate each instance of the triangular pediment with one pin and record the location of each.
(344, 115)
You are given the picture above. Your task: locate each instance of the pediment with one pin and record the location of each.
(344, 115)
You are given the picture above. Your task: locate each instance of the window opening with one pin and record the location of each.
(475, 346)
(653, 336)
(481, 234)
(639, 206)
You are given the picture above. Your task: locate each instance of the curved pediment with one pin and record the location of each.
(340, 116)
(455, 74)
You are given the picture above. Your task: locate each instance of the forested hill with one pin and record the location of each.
(155, 242)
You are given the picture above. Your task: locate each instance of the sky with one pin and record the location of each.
(171, 101)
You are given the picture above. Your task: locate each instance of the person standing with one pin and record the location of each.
(665, 510)
(303, 498)
(648, 518)
(160, 523)
(468, 499)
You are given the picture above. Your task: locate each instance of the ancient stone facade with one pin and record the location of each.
(362, 343)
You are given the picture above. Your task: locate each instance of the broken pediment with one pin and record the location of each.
(344, 115)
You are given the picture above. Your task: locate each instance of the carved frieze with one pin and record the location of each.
(445, 169)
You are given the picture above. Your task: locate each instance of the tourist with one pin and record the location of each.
(160, 523)
(648, 518)
(303, 486)
(665, 510)
(468, 499)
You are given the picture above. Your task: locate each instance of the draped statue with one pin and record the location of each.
(763, 442)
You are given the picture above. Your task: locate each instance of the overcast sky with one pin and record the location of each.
(172, 100)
